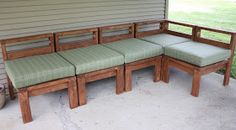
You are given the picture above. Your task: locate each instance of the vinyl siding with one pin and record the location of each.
(28, 17)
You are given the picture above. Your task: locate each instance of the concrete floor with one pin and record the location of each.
(150, 106)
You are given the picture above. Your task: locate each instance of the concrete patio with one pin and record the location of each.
(150, 106)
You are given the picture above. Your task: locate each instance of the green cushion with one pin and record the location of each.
(197, 53)
(135, 49)
(92, 58)
(165, 39)
(32, 70)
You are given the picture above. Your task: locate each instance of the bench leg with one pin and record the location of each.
(81, 90)
(25, 105)
(73, 93)
(227, 74)
(10, 89)
(196, 83)
(128, 79)
(157, 71)
(120, 80)
(165, 70)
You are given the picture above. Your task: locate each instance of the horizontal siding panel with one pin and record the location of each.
(51, 25)
(2, 71)
(72, 26)
(28, 17)
(78, 4)
(87, 12)
(2, 66)
(3, 81)
(72, 11)
(12, 25)
(24, 3)
(3, 76)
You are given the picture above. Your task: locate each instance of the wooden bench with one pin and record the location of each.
(196, 37)
(24, 92)
(130, 43)
(83, 48)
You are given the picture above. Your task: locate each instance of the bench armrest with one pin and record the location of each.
(197, 31)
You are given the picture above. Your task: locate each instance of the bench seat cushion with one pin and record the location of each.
(197, 53)
(135, 49)
(92, 58)
(33, 70)
(165, 39)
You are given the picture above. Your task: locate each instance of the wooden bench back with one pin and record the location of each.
(112, 29)
(163, 28)
(196, 34)
(157, 28)
(77, 43)
(10, 55)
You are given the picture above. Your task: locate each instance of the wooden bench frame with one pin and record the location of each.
(42, 88)
(130, 67)
(82, 79)
(196, 71)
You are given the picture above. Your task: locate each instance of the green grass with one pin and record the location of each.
(211, 13)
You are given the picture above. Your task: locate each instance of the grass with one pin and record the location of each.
(211, 13)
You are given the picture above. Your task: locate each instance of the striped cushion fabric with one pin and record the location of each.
(165, 39)
(197, 53)
(135, 49)
(92, 58)
(32, 70)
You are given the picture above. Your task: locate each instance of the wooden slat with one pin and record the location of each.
(30, 52)
(149, 22)
(181, 24)
(214, 43)
(26, 38)
(181, 65)
(139, 25)
(76, 44)
(179, 34)
(213, 68)
(107, 39)
(143, 63)
(73, 45)
(9, 55)
(47, 84)
(217, 30)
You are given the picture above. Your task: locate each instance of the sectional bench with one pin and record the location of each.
(73, 58)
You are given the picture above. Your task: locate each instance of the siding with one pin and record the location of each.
(28, 17)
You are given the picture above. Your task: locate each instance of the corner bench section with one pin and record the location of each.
(157, 32)
(32, 72)
(92, 61)
(220, 53)
(138, 54)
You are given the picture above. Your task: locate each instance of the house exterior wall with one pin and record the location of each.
(29, 17)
